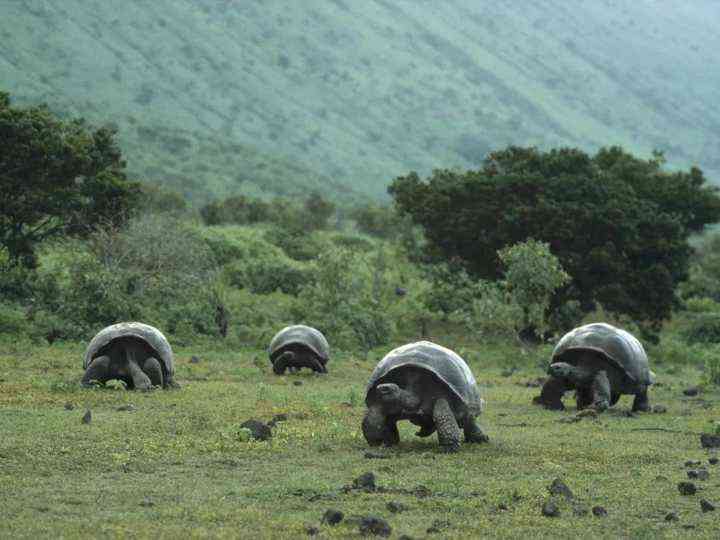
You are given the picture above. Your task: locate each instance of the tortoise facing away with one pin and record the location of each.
(429, 385)
(135, 353)
(299, 346)
(600, 362)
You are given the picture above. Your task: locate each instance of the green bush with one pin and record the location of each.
(267, 274)
(158, 270)
(349, 300)
(12, 320)
(703, 328)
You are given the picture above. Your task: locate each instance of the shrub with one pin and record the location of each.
(703, 328)
(270, 273)
(349, 300)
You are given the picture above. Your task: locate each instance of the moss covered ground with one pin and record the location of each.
(175, 465)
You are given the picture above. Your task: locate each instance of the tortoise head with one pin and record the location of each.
(562, 370)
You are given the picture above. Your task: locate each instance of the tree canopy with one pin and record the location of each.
(57, 177)
(618, 224)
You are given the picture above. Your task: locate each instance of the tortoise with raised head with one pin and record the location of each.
(601, 363)
(429, 385)
(135, 353)
(298, 346)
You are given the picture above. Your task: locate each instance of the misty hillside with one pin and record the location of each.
(214, 97)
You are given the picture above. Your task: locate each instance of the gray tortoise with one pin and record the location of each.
(299, 346)
(133, 352)
(600, 362)
(429, 385)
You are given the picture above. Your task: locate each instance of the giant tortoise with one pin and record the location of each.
(429, 385)
(135, 353)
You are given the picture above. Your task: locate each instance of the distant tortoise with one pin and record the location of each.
(429, 385)
(133, 352)
(600, 362)
(299, 346)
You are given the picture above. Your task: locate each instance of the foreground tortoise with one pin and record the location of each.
(133, 352)
(299, 346)
(429, 385)
(600, 362)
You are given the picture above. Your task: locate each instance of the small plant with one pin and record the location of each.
(711, 375)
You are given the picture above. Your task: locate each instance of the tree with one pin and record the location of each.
(618, 224)
(56, 177)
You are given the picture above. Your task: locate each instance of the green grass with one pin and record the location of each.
(175, 466)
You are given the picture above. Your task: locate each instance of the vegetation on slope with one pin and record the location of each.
(360, 92)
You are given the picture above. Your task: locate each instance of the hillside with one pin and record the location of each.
(223, 96)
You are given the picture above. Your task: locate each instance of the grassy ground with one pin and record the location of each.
(176, 467)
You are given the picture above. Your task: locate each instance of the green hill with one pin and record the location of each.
(268, 96)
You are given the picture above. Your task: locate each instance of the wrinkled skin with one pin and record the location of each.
(129, 360)
(296, 357)
(417, 396)
(597, 384)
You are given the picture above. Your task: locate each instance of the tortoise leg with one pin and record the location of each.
(447, 427)
(139, 379)
(373, 426)
(293, 369)
(551, 394)
(314, 363)
(473, 432)
(283, 362)
(392, 435)
(641, 402)
(601, 391)
(583, 397)
(98, 370)
(614, 398)
(152, 368)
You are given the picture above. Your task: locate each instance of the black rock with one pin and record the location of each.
(332, 516)
(659, 409)
(400, 291)
(87, 417)
(687, 488)
(194, 360)
(258, 430)
(69, 406)
(311, 530)
(365, 481)
(558, 487)
(699, 474)
(709, 441)
(707, 506)
(371, 525)
(713, 461)
(502, 507)
(297, 383)
(375, 455)
(396, 507)
(599, 511)
(550, 509)
(672, 516)
(692, 463)
(692, 391)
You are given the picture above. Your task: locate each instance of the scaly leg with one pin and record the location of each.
(447, 427)
(473, 432)
(583, 397)
(139, 379)
(601, 391)
(153, 369)
(282, 362)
